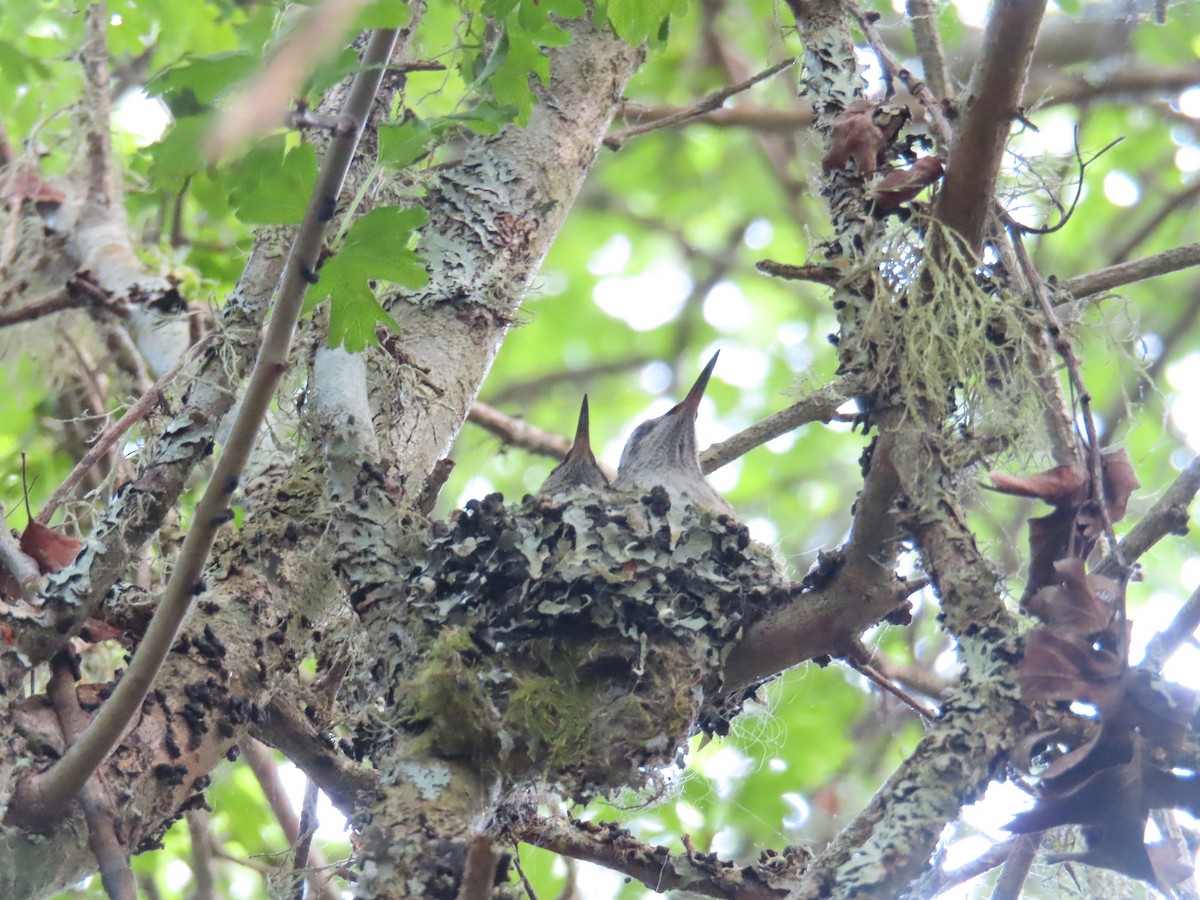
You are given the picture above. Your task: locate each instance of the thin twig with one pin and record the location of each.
(893, 69)
(922, 21)
(516, 858)
(819, 406)
(827, 275)
(47, 793)
(763, 120)
(308, 827)
(877, 678)
(1177, 201)
(1176, 332)
(1128, 272)
(138, 411)
(258, 757)
(1017, 866)
(994, 856)
(98, 811)
(609, 845)
(203, 880)
(521, 434)
(538, 385)
(708, 104)
(1175, 635)
(1062, 346)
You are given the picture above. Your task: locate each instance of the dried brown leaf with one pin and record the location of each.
(1063, 665)
(50, 549)
(901, 185)
(1079, 602)
(854, 136)
(1120, 481)
(1057, 486)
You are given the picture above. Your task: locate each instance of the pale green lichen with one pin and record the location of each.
(427, 777)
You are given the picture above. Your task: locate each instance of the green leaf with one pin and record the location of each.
(279, 194)
(383, 14)
(19, 66)
(375, 249)
(485, 118)
(402, 145)
(376, 246)
(353, 315)
(194, 85)
(635, 21)
(516, 57)
(176, 155)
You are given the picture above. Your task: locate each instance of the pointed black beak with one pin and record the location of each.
(582, 432)
(691, 403)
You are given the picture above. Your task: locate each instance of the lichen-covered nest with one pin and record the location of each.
(575, 640)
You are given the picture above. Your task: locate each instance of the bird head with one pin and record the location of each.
(579, 466)
(669, 441)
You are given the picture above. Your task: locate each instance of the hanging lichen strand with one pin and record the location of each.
(576, 641)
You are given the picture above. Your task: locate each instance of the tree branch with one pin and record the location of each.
(713, 101)
(965, 198)
(1106, 279)
(258, 758)
(922, 20)
(50, 790)
(112, 856)
(609, 845)
(140, 409)
(819, 406)
(1169, 515)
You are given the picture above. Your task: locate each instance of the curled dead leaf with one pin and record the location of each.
(49, 548)
(1076, 523)
(901, 185)
(854, 136)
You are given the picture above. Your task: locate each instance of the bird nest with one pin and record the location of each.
(575, 640)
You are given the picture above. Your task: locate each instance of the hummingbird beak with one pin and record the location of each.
(691, 403)
(582, 432)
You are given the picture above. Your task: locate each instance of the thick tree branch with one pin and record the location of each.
(992, 99)
(52, 788)
(102, 232)
(611, 846)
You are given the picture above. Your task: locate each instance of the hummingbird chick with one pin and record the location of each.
(579, 468)
(663, 452)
